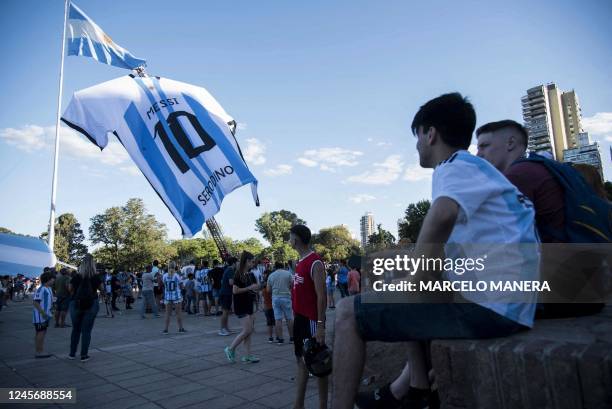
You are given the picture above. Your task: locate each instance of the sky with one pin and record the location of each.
(324, 94)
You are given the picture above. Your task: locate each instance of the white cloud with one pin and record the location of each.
(415, 173)
(307, 162)
(329, 159)
(254, 152)
(609, 138)
(381, 173)
(361, 198)
(282, 169)
(131, 170)
(598, 124)
(28, 138)
(383, 144)
(241, 126)
(31, 138)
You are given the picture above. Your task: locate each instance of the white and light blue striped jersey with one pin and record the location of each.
(172, 287)
(202, 280)
(107, 283)
(494, 217)
(176, 133)
(44, 295)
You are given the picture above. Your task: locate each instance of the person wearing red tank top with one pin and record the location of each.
(309, 300)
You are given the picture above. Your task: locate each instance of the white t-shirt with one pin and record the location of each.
(176, 133)
(494, 218)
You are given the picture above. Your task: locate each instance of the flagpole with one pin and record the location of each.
(51, 235)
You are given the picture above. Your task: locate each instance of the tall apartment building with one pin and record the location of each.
(572, 115)
(586, 152)
(367, 228)
(544, 120)
(553, 119)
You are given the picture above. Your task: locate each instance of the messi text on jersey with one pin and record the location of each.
(162, 103)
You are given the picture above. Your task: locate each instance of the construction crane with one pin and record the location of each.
(217, 235)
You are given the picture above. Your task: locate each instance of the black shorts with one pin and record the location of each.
(226, 301)
(270, 321)
(395, 322)
(63, 303)
(303, 329)
(157, 290)
(41, 327)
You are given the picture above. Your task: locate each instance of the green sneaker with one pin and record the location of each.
(250, 359)
(230, 355)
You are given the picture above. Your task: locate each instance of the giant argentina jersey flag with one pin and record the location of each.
(86, 38)
(176, 133)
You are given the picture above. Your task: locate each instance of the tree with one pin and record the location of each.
(410, 227)
(5, 230)
(196, 249)
(380, 239)
(68, 244)
(280, 251)
(236, 247)
(275, 226)
(335, 243)
(108, 229)
(130, 237)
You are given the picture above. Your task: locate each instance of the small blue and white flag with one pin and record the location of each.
(87, 39)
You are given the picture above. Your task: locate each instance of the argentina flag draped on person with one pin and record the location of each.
(177, 134)
(87, 39)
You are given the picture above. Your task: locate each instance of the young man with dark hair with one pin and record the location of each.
(215, 275)
(472, 203)
(225, 294)
(41, 312)
(309, 305)
(60, 288)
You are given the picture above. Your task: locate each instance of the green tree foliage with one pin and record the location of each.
(275, 226)
(236, 247)
(129, 236)
(380, 239)
(335, 243)
(5, 230)
(68, 244)
(280, 251)
(196, 249)
(410, 227)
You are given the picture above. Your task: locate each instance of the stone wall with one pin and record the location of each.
(564, 363)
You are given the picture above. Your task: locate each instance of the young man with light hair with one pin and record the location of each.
(279, 284)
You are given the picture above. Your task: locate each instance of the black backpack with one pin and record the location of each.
(84, 296)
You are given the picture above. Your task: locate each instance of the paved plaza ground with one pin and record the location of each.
(134, 366)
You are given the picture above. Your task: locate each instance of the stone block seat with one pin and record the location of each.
(560, 363)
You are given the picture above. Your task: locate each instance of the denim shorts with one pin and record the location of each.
(395, 322)
(282, 307)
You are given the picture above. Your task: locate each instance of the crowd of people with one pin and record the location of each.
(502, 196)
(293, 298)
